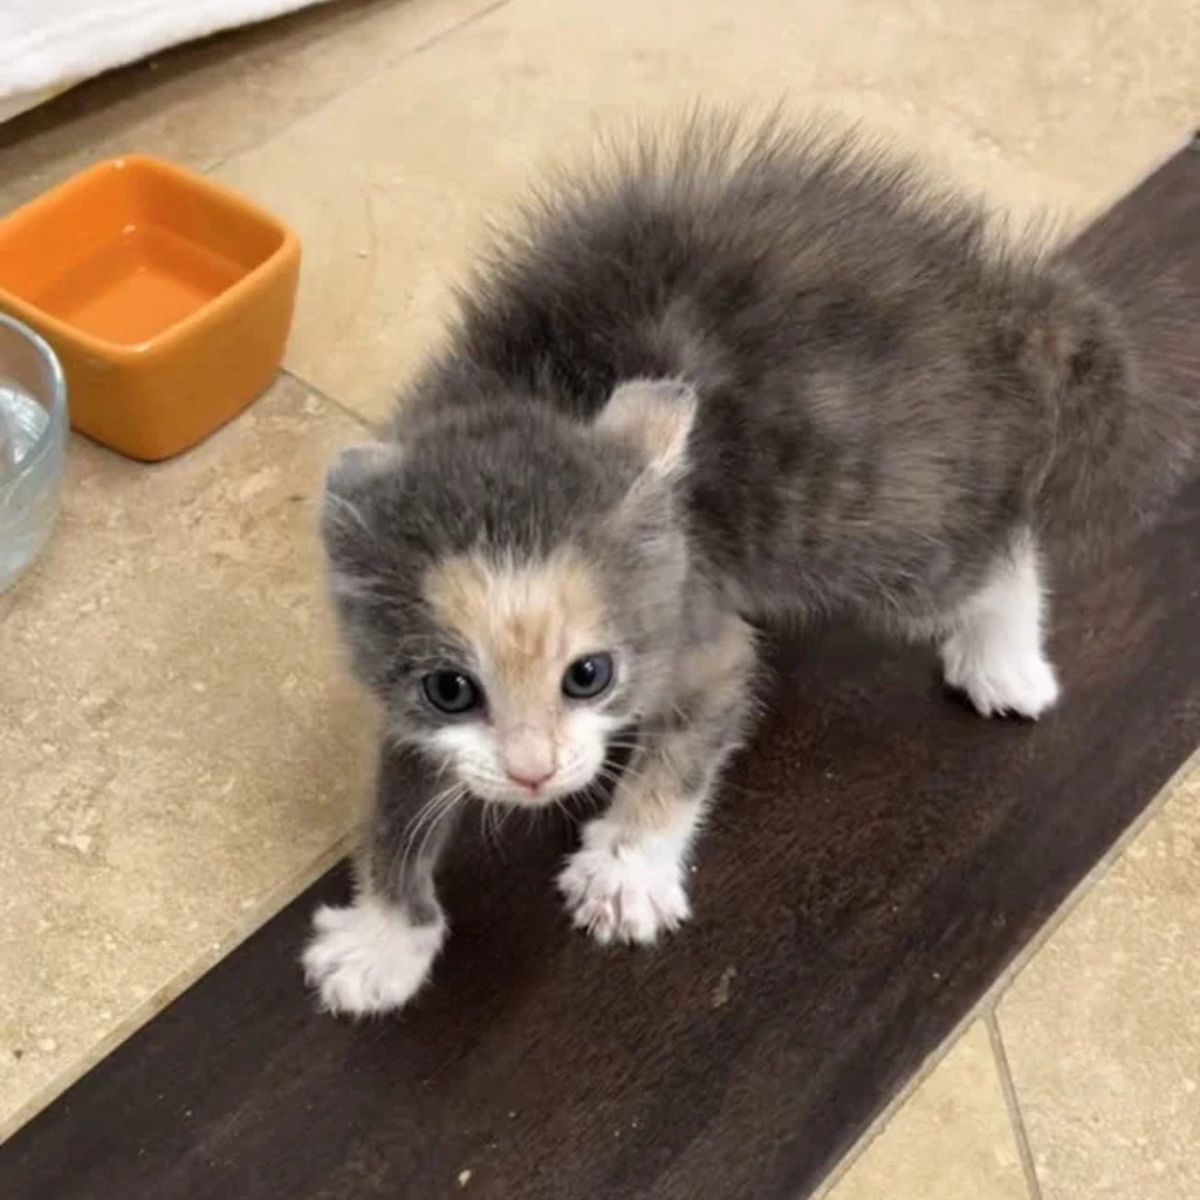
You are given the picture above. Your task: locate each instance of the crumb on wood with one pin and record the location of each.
(720, 993)
(464, 1177)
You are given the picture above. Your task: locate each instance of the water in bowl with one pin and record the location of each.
(28, 492)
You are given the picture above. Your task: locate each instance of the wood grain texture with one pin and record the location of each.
(880, 854)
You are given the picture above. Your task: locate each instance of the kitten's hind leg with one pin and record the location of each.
(375, 954)
(994, 648)
(627, 881)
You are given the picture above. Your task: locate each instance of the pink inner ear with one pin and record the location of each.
(653, 415)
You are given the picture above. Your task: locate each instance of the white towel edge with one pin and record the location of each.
(34, 64)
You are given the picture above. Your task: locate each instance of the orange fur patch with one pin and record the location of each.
(526, 621)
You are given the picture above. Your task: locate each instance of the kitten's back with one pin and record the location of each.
(879, 374)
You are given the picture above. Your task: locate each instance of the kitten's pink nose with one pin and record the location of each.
(532, 782)
(529, 759)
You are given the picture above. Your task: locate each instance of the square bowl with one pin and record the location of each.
(167, 297)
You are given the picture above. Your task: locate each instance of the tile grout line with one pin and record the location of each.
(990, 999)
(1013, 1104)
(892, 1108)
(371, 427)
(1094, 876)
(420, 48)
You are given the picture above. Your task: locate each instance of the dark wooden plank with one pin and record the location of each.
(880, 855)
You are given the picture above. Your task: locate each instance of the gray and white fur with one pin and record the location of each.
(733, 376)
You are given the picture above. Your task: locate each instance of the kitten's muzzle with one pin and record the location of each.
(530, 759)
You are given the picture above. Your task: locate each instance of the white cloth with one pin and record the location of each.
(48, 45)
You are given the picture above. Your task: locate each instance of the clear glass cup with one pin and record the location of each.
(33, 435)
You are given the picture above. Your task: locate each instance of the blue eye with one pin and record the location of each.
(452, 692)
(587, 677)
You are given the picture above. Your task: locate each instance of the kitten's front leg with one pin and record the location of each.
(627, 881)
(373, 955)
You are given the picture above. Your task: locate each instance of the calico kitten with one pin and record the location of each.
(754, 375)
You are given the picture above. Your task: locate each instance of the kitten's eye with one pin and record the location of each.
(588, 677)
(452, 692)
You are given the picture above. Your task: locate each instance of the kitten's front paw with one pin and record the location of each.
(999, 680)
(368, 958)
(626, 890)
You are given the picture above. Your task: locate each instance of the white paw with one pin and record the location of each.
(999, 679)
(368, 958)
(625, 890)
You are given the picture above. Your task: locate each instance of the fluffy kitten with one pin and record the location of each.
(755, 375)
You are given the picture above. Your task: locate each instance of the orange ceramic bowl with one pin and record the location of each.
(167, 297)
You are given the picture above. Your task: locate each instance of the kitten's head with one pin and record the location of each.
(510, 581)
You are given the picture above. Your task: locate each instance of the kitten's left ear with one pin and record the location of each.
(654, 417)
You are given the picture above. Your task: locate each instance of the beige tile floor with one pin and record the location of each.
(180, 752)
(1079, 1077)
(953, 1138)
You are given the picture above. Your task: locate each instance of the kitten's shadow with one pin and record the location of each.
(509, 928)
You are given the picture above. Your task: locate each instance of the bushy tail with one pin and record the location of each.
(1109, 338)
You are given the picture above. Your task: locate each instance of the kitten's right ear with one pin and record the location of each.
(358, 466)
(353, 479)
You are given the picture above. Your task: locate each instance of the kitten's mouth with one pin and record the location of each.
(532, 787)
(519, 791)
(533, 795)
